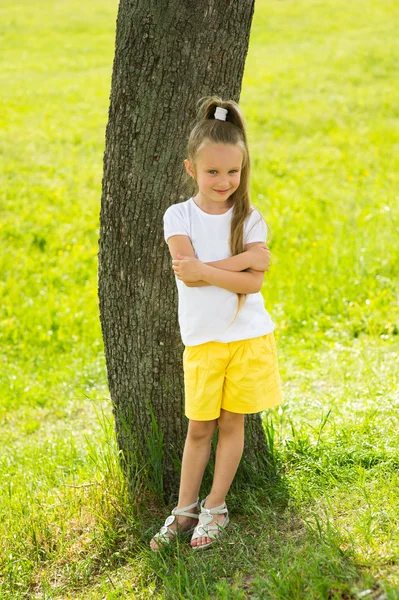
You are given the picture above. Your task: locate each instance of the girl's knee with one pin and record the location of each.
(230, 421)
(201, 430)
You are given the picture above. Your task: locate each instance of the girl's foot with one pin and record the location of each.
(183, 523)
(216, 519)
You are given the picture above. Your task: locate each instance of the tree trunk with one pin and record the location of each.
(168, 54)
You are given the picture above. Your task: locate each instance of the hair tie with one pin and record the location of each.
(220, 113)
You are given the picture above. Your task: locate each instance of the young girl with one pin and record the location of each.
(217, 241)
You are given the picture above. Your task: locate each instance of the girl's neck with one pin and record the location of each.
(218, 208)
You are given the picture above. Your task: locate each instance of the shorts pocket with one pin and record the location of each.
(191, 352)
(268, 354)
(195, 367)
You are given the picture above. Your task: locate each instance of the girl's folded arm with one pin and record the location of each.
(236, 263)
(182, 243)
(237, 282)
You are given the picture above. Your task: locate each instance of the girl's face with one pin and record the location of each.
(218, 167)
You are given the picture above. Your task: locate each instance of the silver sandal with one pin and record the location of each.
(203, 529)
(161, 535)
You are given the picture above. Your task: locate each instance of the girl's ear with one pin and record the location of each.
(188, 167)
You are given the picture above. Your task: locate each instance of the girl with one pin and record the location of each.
(217, 242)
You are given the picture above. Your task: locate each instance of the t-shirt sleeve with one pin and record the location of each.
(174, 224)
(256, 230)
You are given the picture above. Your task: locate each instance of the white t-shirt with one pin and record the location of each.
(205, 313)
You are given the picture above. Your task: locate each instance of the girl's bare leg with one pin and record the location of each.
(228, 455)
(196, 454)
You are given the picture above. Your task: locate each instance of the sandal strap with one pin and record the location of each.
(209, 527)
(206, 530)
(162, 533)
(205, 519)
(216, 510)
(183, 511)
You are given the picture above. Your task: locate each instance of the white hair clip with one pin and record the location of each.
(220, 113)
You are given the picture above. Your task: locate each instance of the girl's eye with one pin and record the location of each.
(232, 171)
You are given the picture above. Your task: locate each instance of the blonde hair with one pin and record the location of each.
(231, 131)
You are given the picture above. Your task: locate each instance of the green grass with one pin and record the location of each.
(321, 101)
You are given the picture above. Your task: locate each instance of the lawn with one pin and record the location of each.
(321, 100)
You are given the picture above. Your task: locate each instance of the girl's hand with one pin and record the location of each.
(260, 259)
(187, 268)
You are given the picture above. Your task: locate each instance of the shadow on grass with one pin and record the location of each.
(268, 550)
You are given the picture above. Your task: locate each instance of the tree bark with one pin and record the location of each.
(167, 55)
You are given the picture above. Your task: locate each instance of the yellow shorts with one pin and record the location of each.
(240, 377)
